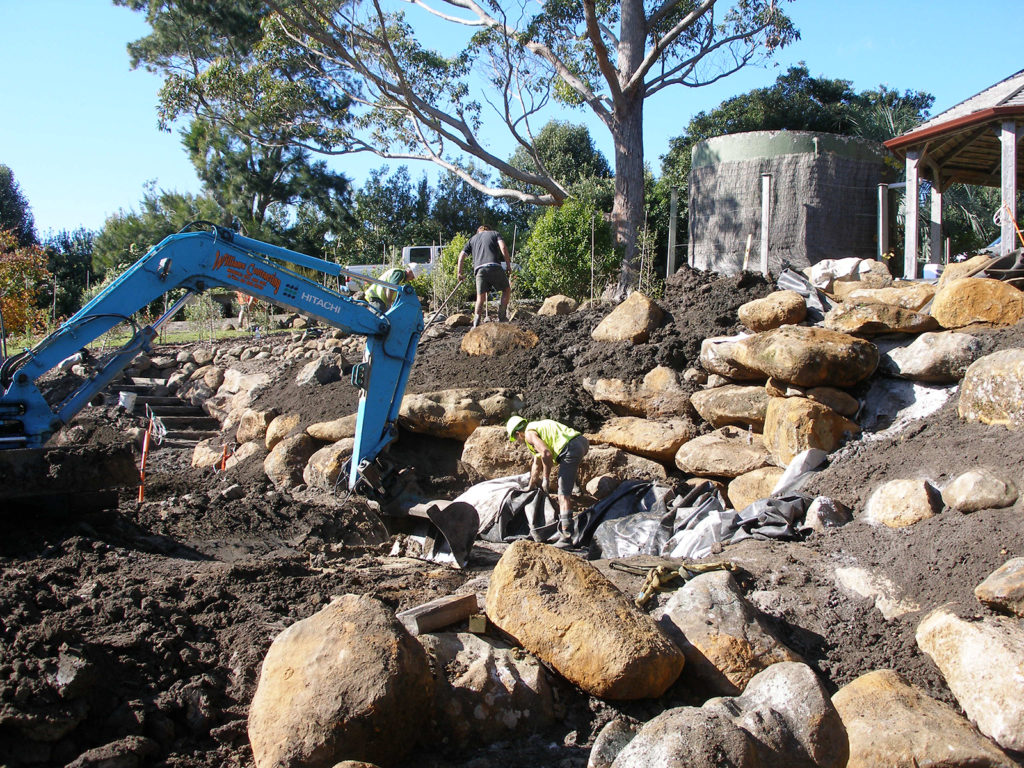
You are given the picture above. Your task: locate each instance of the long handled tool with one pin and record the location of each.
(443, 305)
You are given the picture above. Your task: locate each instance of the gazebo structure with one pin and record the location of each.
(975, 142)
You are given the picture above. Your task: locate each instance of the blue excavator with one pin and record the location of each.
(200, 257)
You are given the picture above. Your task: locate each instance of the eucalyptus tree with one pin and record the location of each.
(358, 76)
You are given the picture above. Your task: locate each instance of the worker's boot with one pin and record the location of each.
(476, 320)
(565, 529)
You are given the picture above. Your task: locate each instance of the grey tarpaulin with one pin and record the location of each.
(817, 303)
(691, 525)
(509, 510)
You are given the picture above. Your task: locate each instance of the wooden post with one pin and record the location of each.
(1008, 211)
(673, 212)
(883, 221)
(935, 227)
(766, 219)
(910, 240)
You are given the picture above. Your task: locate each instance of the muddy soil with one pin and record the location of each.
(140, 629)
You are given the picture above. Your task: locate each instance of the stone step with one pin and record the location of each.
(196, 423)
(146, 381)
(194, 436)
(171, 409)
(154, 400)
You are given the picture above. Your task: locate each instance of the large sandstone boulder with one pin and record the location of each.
(253, 425)
(783, 718)
(808, 356)
(485, 690)
(726, 452)
(497, 339)
(565, 612)
(775, 309)
(726, 640)
(324, 468)
(899, 503)
(208, 452)
(942, 358)
(977, 300)
(792, 425)
(733, 405)
(236, 382)
(720, 355)
(280, 427)
(891, 722)
(658, 440)
(634, 320)
(332, 684)
(979, 489)
(286, 461)
(753, 486)
(609, 460)
(957, 270)
(335, 430)
(455, 413)
(875, 319)
(993, 390)
(908, 294)
(489, 451)
(321, 370)
(659, 394)
(1003, 589)
(557, 305)
(983, 664)
(876, 587)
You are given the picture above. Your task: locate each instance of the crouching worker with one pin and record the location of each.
(551, 443)
(382, 298)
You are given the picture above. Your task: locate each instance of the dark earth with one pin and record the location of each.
(133, 636)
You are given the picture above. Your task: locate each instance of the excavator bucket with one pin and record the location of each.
(64, 480)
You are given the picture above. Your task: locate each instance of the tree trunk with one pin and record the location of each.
(628, 210)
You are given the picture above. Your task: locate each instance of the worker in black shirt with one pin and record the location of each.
(488, 249)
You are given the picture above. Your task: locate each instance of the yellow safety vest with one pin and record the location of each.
(553, 434)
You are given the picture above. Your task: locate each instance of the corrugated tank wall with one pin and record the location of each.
(824, 199)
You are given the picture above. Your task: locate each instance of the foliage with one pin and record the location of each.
(127, 236)
(23, 276)
(203, 314)
(559, 249)
(69, 258)
(444, 278)
(349, 77)
(259, 183)
(15, 214)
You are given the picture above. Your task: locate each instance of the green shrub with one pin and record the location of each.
(558, 252)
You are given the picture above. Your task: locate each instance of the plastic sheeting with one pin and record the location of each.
(817, 303)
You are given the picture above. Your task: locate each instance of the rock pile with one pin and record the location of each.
(768, 396)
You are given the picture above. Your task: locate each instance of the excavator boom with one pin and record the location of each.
(198, 261)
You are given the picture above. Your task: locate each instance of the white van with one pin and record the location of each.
(422, 258)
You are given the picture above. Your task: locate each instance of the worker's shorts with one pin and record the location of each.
(491, 277)
(569, 463)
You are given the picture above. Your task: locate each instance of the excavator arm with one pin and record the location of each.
(197, 261)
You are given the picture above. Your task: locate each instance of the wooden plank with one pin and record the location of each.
(442, 612)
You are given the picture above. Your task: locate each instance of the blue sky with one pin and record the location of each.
(79, 127)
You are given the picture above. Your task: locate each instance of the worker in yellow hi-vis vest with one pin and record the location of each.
(552, 442)
(382, 298)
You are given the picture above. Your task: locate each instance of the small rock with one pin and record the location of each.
(1003, 589)
(899, 503)
(979, 489)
